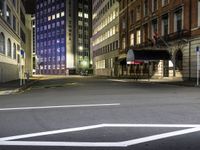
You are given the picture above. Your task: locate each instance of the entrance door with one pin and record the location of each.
(166, 68)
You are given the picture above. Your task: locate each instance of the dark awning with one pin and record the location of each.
(133, 55)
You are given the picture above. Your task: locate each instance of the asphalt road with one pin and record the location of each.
(85, 113)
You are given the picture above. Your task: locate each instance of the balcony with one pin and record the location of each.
(182, 34)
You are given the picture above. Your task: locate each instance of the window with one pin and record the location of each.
(9, 48)
(132, 17)
(22, 35)
(138, 12)
(14, 51)
(1, 8)
(178, 20)
(123, 43)
(62, 14)
(86, 15)
(58, 15)
(146, 7)
(49, 18)
(22, 17)
(80, 14)
(165, 25)
(138, 40)
(155, 5)
(8, 15)
(132, 39)
(154, 27)
(124, 24)
(2, 43)
(14, 23)
(164, 2)
(53, 17)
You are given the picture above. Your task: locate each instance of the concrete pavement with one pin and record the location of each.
(101, 114)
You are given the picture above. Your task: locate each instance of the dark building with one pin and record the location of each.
(62, 36)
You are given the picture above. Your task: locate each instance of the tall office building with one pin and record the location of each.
(105, 37)
(62, 36)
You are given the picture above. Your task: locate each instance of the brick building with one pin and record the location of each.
(151, 30)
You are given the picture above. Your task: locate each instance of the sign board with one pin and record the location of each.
(22, 53)
(197, 49)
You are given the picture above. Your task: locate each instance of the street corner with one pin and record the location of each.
(101, 135)
(9, 92)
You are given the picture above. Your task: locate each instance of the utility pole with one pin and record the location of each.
(190, 28)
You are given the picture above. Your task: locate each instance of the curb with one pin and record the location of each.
(17, 90)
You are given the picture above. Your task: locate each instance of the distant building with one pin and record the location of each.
(147, 26)
(105, 37)
(62, 36)
(33, 35)
(12, 57)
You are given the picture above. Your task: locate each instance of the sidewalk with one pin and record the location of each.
(168, 81)
(13, 87)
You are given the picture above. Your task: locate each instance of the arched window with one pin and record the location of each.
(14, 51)
(9, 48)
(2, 43)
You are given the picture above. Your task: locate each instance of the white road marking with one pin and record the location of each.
(117, 80)
(154, 125)
(62, 144)
(62, 106)
(160, 136)
(50, 132)
(192, 128)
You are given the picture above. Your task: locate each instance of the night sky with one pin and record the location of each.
(29, 6)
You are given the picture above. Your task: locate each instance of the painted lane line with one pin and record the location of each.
(50, 132)
(96, 126)
(117, 80)
(101, 144)
(192, 128)
(159, 136)
(153, 125)
(62, 106)
(62, 144)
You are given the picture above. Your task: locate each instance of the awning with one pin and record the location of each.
(142, 55)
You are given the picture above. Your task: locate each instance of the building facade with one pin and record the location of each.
(62, 36)
(33, 36)
(105, 37)
(157, 25)
(11, 61)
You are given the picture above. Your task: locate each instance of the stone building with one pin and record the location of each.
(10, 40)
(105, 37)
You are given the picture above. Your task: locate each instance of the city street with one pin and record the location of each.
(88, 113)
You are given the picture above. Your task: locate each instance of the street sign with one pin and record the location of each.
(197, 49)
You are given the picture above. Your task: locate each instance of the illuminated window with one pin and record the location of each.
(86, 15)
(58, 15)
(123, 43)
(62, 14)
(53, 17)
(132, 39)
(80, 14)
(138, 40)
(49, 18)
